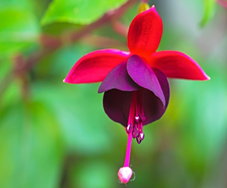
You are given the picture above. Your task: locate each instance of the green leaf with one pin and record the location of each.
(203, 115)
(79, 11)
(79, 111)
(209, 7)
(19, 26)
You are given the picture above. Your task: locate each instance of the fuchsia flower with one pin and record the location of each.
(135, 85)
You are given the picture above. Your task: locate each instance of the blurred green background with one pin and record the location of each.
(54, 134)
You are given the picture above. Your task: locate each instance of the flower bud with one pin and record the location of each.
(143, 7)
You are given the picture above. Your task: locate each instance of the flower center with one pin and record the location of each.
(134, 130)
(136, 117)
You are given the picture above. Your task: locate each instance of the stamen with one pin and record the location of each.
(140, 105)
(141, 115)
(129, 128)
(134, 132)
(141, 128)
(137, 119)
(141, 135)
(138, 140)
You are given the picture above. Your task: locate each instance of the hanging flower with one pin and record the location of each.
(135, 85)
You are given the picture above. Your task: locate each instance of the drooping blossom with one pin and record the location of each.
(135, 85)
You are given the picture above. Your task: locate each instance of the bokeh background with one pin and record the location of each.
(54, 134)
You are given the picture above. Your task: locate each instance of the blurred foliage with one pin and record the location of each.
(54, 134)
(19, 26)
(209, 8)
(80, 11)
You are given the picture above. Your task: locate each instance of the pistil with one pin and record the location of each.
(131, 123)
(134, 130)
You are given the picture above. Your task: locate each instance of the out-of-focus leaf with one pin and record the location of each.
(93, 174)
(8, 93)
(79, 111)
(202, 117)
(4, 69)
(19, 27)
(31, 147)
(80, 11)
(209, 8)
(11, 95)
(66, 57)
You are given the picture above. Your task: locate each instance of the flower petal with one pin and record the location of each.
(116, 104)
(144, 76)
(118, 78)
(152, 106)
(94, 66)
(176, 64)
(145, 33)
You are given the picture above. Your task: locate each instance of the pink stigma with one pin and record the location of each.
(124, 174)
(134, 130)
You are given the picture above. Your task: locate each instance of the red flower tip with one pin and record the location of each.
(125, 174)
(207, 77)
(94, 66)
